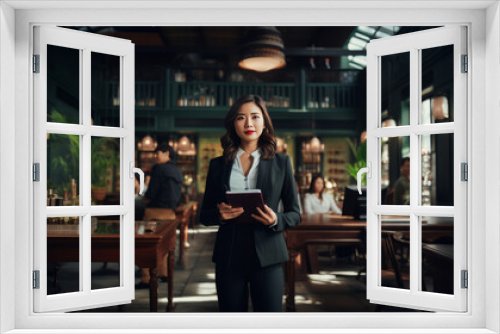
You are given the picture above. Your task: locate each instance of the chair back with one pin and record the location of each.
(158, 213)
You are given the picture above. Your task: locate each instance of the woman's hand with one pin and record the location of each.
(227, 212)
(267, 217)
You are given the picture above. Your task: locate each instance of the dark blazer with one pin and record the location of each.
(276, 181)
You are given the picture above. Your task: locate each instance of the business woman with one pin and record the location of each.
(249, 257)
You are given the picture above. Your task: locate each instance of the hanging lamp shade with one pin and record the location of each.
(147, 144)
(316, 145)
(184, 144)
(263, 50)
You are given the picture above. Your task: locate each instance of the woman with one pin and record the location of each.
(317, 201)
(249, 257)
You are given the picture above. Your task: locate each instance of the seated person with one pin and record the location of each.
(317, 201)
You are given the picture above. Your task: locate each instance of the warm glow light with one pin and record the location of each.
(147, 144)
(440, 107)
(316, 146)
(281, 146)
(263, 50)
(388, 123)
(184, 143)
(262, 64)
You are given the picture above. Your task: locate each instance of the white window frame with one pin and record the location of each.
(413, 44)
(85, 43)
(482, 316)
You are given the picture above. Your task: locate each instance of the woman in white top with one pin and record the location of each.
(317, 201)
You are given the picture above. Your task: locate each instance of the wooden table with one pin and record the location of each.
(153, 240)
(318, 228)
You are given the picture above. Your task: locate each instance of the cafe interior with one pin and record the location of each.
(313, 80)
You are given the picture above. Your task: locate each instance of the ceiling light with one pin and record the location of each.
(263, 50)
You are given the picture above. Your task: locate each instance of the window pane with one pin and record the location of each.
(63, 170)
(63, 85)
(105, 252)
(395, 170)
(437, 254)
(105, 89)
(105, 171)
(395, 90)
(437, 169)
(395, 250)
(437, 85)
(63, 255)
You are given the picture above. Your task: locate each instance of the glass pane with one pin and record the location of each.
(395, 251)
(437, 85)
(63, 255)
(437, 169)
(63, 85)
(437, 254)
(395, 90)
(63, 170)
(105, 252)
(105, 89)
(105, 171)
(395, 170)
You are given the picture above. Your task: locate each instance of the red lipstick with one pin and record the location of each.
(249, 132)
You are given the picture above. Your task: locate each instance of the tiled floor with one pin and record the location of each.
(335, 289)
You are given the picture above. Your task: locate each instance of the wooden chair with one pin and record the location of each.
(394, 267)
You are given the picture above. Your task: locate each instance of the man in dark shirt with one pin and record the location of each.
(165, 187)
(164, 191)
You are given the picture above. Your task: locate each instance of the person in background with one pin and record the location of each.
(402, 185)
(165, 186)
(249, 256)
(139, 199)
(317, 201)
(147, 179)
(162, 197)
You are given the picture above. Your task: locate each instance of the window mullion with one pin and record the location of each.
(85, 228)
(415, 103)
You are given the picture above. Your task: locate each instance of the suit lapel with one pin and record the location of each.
(262, 177)
(226, 175)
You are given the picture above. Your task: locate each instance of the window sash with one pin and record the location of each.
(86, 44)
(413, 43)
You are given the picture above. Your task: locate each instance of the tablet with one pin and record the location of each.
(249, 200)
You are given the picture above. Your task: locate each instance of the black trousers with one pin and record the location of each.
(264, 284)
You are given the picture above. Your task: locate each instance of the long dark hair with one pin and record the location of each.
(231, 142)
(313, 181)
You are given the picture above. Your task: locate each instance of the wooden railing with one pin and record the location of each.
(199, 95)
(330, 95)
(223, 94)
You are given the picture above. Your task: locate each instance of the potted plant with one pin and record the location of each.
(359, 152)
(104, 155)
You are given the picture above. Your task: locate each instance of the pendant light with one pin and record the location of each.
(147, 144)
(263, 50)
